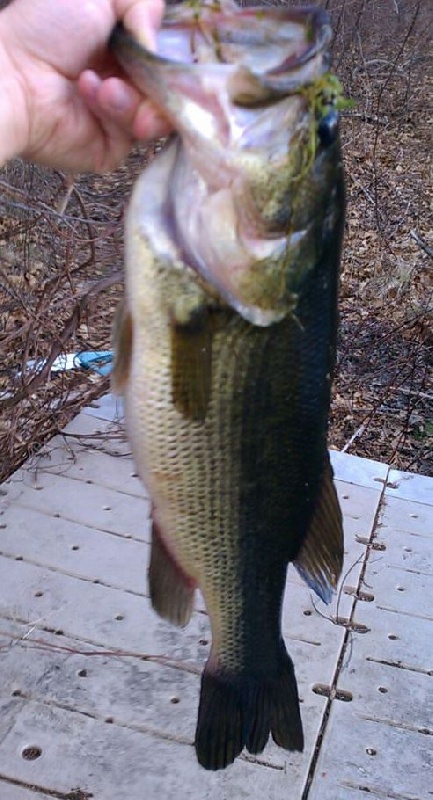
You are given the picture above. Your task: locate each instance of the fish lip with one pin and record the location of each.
(280, 79)
(321, 26)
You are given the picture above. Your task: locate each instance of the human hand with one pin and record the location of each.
(64, 100)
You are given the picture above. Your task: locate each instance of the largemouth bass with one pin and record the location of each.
(226, 344)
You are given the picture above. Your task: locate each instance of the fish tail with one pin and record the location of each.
(241, 710)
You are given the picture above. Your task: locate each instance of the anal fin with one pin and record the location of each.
(171, 590)
(320, 559)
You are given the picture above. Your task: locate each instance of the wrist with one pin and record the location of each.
(13, 114)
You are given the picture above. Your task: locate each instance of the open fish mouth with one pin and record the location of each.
(244, 88)
(283, 48)
(280, 46)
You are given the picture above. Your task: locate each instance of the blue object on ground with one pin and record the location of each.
(100, 361)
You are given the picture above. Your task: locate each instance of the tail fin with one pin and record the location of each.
(238, 710)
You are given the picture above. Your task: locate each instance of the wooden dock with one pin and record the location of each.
(98, 696)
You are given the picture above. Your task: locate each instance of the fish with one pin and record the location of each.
(226, 340)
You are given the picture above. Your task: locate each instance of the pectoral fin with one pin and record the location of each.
(320, 559)
(191, 373)
(122, 343)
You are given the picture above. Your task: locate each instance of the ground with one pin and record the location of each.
(61, 258)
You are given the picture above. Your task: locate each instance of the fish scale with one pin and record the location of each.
(225, 354)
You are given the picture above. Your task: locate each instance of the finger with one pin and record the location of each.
(149, 124)
(110, 96)
(141, 17)
(113, 100)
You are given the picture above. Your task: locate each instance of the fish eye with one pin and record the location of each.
(327, 129)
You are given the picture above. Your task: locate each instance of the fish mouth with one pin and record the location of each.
(280, 47)
(231, 81)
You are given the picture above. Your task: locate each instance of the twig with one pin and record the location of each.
(355, 436)
(57, 346)
(69, 184)
(43, 644)
(382, 90)
(369, 197)
(372, 119)
(421, 243)
(416, 392)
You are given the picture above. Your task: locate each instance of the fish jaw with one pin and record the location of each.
(212, 69)
(235, 97)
